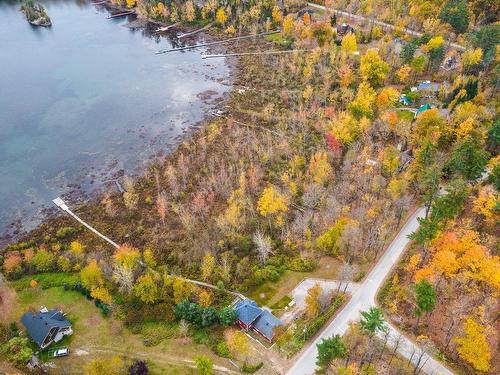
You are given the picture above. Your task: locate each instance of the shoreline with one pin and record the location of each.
(16, 230)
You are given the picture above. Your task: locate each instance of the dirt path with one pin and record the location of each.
(163, 360)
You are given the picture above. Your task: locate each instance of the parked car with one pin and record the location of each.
(61, 352)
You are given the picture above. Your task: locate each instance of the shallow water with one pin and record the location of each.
(85, 99)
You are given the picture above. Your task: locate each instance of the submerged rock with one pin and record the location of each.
(35, 14)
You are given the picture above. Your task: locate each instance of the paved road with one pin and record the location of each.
(300, 291)
(362, 299)
(380, 23)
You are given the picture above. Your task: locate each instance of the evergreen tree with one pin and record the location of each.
(329, 349)
(456, 13)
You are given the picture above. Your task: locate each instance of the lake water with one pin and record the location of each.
(86, 99)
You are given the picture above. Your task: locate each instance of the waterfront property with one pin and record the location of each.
(252, 317)
(46, 326)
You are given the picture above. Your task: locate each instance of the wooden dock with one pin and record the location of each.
(166, 28)
(252, 53)
(216, 42)
(120, 14)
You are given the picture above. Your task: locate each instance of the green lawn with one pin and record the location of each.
(270, 293)
(405, 115)
(98, 336)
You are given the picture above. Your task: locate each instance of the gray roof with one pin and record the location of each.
(247, 311)
(39, 324)
(266, 323)
(428, 86)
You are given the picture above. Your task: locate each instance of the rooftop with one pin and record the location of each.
(39, 324)
(247, 311)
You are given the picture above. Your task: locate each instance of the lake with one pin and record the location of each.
(87, 100)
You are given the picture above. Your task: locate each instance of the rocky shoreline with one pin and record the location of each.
(106, 181)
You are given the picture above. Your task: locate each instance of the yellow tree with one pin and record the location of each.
(396, 188)
(471, 58)
(127, 256)
(486, 204)
(207, 266)
(349, 44)
(288, 25)
(272, 204)
(320, 170)
(146, 289)
(101, 293)
(149, 258)
(312, 301)
(237, 342)
(76, 248)
(276, 14)
(473, 346)
(189, 12)
(91, 276)
(373, 69)
(434, 43)
(108, 366)
(130, 3)
(221, 17)
(345, 128)
(205, 298)
(403, 73)
(387, 98)
(362, 105)
(183, 290)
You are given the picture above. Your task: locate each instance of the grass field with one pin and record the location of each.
(270, 293)
(99, 336)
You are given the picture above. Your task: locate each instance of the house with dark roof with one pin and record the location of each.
(46, 326)
(343, 30)
(251, 316)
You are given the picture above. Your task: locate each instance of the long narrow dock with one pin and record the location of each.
(216, 42)
(160, 29)
(196, 31)
(120, 14)
(252, 53)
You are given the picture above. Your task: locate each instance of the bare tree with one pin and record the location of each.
(395, 344)
(346, 275)
(264, 246)
(351, 240)
(130, 197)
(426, 347)
(312, 195)
(171, 176)
(161, 206)
(124, 278)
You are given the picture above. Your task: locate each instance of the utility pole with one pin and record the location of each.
(64, 207)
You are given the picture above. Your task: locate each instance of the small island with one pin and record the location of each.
(36, 14)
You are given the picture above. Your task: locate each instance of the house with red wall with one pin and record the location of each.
(252, 317)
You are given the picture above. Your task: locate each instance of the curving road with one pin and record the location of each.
(362, 299)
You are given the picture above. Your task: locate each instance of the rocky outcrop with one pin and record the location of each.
(35, 14)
